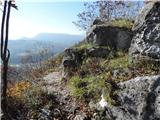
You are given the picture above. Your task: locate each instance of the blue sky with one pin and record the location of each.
(44, 16)
(51, 16)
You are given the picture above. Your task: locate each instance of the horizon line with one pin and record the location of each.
(18, 38)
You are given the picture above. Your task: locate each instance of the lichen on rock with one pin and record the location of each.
(146, 40)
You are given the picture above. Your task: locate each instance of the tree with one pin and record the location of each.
(36, 62)
(5, 53)
(106, 10)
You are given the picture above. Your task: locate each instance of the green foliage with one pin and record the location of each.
(122, 23)
(30, 102)
(96, 75)
(90, 87)
(106, 11)
(119, 62)
(33, 96)
(77, 87)
(92, 65)
(83, 46)
(54, 63)
(107, 97)
(147, 67)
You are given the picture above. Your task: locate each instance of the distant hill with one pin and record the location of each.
(56, 42)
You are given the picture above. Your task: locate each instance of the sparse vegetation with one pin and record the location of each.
(83, 46)
(27, 99)
(107, 11)
(94, 77)
(97, 74)
(122, 23)
(91, 70)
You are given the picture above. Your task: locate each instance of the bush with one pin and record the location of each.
(26, 100)
(18, 88)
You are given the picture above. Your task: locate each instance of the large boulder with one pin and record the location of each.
(146, 41)
(112, 36)
(71, 58)
(97, 21)
(139, 99)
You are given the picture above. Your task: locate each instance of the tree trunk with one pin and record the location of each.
(5, 54)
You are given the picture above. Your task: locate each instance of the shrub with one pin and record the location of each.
(25, 100)
(18, 88)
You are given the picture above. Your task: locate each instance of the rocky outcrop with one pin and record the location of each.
(146, 41)
(98, 52)
(71, 58)
(112, 36)
(139, 99)
(97, 21)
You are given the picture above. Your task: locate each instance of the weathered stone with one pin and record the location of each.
(98, 52)
(82, 116)
(146, 41)
(97, 21)
(71, 58)
(139, 100)
(114, 37)
(124, 39)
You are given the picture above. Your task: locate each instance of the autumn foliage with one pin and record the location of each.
(18, 88)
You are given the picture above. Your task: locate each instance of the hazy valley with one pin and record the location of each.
(54, 43)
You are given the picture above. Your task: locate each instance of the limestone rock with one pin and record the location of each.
(146, 41)
(97, 21)
(82, 116)
(71, 58)
(139, 100)
(98, 52)
(112, 36)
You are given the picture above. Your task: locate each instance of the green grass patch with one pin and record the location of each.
(77, 86)
(122, 23)
(90, 87)
(99, 74)
(83, 46)
(119, 62)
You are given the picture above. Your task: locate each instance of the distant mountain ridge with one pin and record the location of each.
(59, 41)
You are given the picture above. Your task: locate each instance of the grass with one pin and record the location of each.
(75, 85)
(87, 88)
(122, 23)
(83, 46)
(27, 99)
(119, 62)
(96, 75)
(91, 87)
(85, 83)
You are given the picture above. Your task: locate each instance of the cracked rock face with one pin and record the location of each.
(112, 36)
(139, 100)
(146, 41)
(71, 58)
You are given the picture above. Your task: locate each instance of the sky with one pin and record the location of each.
(44, 16)
(39, 16)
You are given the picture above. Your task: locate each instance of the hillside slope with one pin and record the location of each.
(56, 43)
(100, 78)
